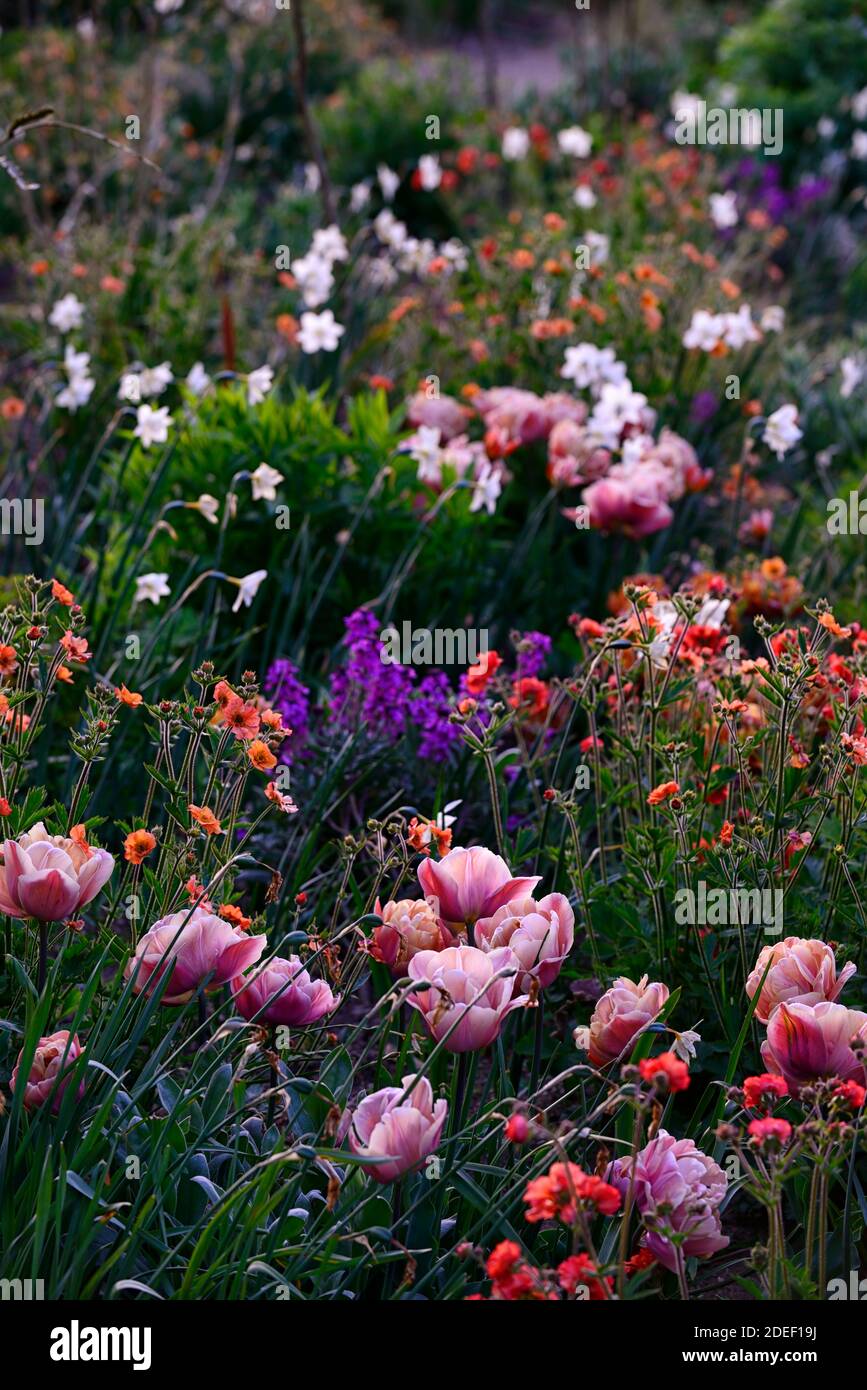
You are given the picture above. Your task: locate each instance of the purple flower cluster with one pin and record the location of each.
(287, 695)
(386, 697)
(534, 649)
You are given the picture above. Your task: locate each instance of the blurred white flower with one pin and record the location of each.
(167, 6)
(584, 197)
(312, 178)
(248, 587)
(852, 371)
(599, 246)
(859, 105)
(859, 144)
(259, 383)
(151, 586)
(330, 244)
(208, 506)
(773, 319)
(826, 129)
(430, 174)
(723, 210)
(154, 380)
(516, 143)
(618, 406)
(80, 384)
(152, 426)
(575, 141)
(319, 332)
(705, 330)
(487, 488)
(314, 278)
(67, 313)
(781, 430)
(265, 481)
(389, 181)
(197, 381)
(359, 196)
(590, 366)
(739, 329)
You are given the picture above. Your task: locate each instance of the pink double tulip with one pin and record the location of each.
(404, 1131)
(802, 970)
(408, 926)
(52, 1066)
(283, 992)
(470, 883)
(806, 1042)
(205, 946)
(465, 991)
(540, 934)
(677, 1191)
(50, 877)
(620, 1016)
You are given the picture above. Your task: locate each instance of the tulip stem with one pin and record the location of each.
(273, 1077)
(42, 969)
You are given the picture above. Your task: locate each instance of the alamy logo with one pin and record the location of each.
(716, 907)
(24, 1290)
(23, 518)
(77, 1343)
(855, 1290)
(439, 646)
(696, 125)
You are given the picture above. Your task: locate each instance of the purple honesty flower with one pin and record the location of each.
(533, 648)
(291, 699)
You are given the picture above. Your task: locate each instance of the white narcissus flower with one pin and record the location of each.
(516, 143)
(359, 196)
(575, 141)
(773, 319)
(487, 488)
(265, 481)
(705, 330)
(314, 278)
(430, 174)
(740, 329)
(781, 430)
(684, 1044)
(584, 197)
(248, 587)
(330, 244)
(152, 426)
(259, 383)
(852, 371)
(319, 332)
(151, 586)
(208, 506)
(154, 380)
(67, 313)
(197, 380)
(723, 210)
(389, 181)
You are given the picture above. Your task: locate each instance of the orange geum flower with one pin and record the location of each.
(12, 408)
(138, 845)
(242, 719)
(128, 697)
(273, 793)
(233, 914)
(663, 792)
(828, 621)
(63, 673)
(260, 755)
(78, 836)
(61, 593)
(76, 647)
(8, 660)
(206, 819)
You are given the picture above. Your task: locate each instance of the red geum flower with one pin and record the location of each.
(556, 1193)
(667, 1066)
(517, 1128)
(777, 1131)
(758, 1090)
(851, 1093)
(579, 1272)
(663, 792)
(479, 675)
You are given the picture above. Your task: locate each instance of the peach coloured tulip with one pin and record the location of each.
(620, 1016)
(404, 1131)
(408, 926)
(52, 1062)
(802, 970)
(470, 883)
(283, 992)
(463, 987)
(50, 877)
(539, 932)
(806, 1042)
(191, 948)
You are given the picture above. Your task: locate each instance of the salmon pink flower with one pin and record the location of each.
(50, 1070)
(408, 926)
(540, 933)
(667, 1072)
(770, 1130)
(469, 884)
(802, 970)
(759, 1091)
(566, 1188)
(138, 845)
(260, 755)
(191, 948)
(620, 1017)
(579, 1272)
(50, 877)
(283, 992)
(664, 792)
(806, 1042)
(677, 1191)
(464, 996)
(397, 1127)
